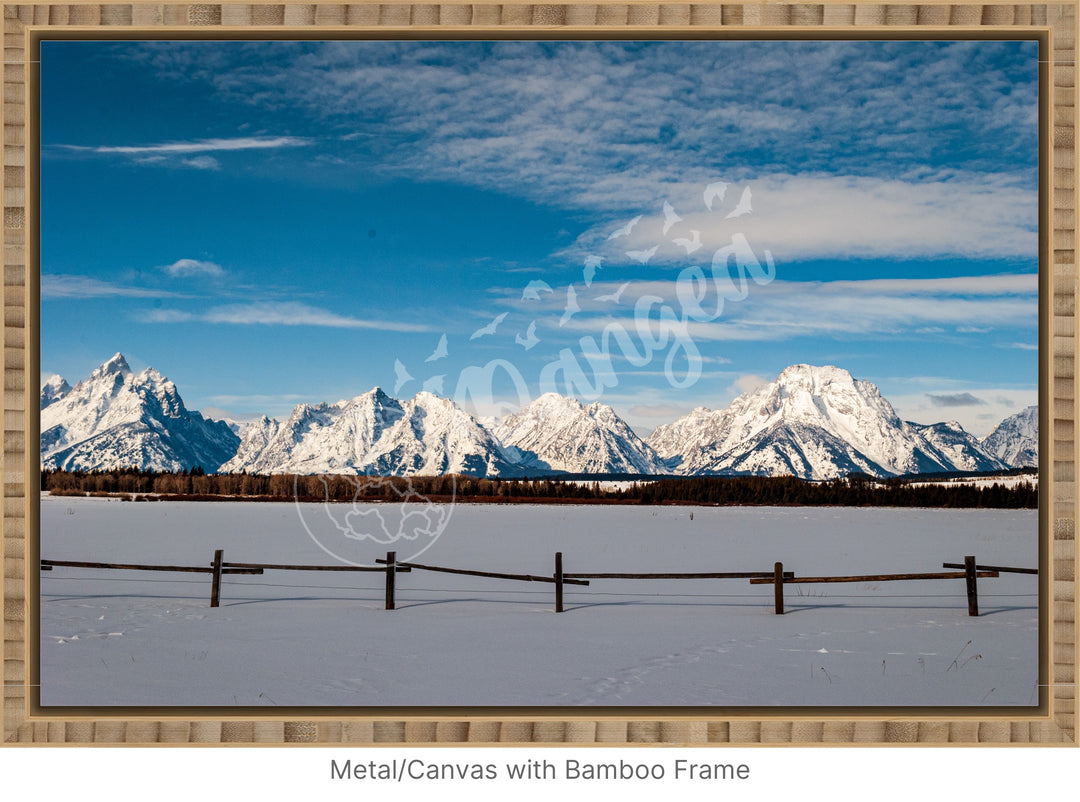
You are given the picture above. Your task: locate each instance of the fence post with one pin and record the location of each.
(972, 586)
(558, 582)
(215, 588)
(391, 572)
(778, 587)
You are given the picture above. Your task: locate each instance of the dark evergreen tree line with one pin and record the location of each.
(852, 491)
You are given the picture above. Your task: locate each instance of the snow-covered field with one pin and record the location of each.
(313, 639)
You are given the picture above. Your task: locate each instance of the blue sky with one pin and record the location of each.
(283, 222)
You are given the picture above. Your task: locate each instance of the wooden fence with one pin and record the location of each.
(390, 567)
(970, 574)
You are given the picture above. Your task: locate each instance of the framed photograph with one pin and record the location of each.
(686, 374)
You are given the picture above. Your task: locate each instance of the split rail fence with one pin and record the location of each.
(390, 567)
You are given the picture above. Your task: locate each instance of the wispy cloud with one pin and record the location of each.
(612, 126)
(70, 286)
(164, 316)
(193, 154)
(783, 310)
(196, 146)
(271, 313)
(203, 163)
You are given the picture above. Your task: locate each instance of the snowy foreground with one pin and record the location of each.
(290, 638)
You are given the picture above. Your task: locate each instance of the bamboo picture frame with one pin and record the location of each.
(1053, 722)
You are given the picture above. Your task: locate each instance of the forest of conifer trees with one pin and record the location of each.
(851, 491)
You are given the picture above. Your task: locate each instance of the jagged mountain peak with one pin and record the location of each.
(116, 364)
(428, 398)
(373, 433)
(562, 434)
(54, 389)
(816, 423)
(115, 418)
(950, 425)
(826, 382)
(1016, 439)
(56, 382)
(813, 373)
(152, 375)
(552, 401)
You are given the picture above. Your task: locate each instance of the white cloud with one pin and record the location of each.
(783, 310)
(197, 146)
(69, 286)
(274, 313)
(163, 316)
(175, 154)
(842, 217)
(610, 125)
(183, 268)
(748, 383)
(203, 163)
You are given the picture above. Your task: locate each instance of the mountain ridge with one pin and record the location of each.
(811, 422)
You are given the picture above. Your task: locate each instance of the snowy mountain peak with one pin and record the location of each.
(373, 433)
(114, 418)
(814, 423)
(829, 383)
(116, 365)
(813, 374)
(1016, 439)
(55, 388)
(553, 401)
(562, 434)
(428, 398)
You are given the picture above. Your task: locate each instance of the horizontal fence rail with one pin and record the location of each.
(970, 574)
(998, 568)
(289, 567)
(717, 575)
(47, 565)
(216, 569)
(811, 580)
(488, 574)
(390, 567)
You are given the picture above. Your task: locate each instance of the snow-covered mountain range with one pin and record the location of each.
(373, 434)
(811, 422)
(815, 423)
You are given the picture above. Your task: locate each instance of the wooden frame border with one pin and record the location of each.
(1056, 718)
